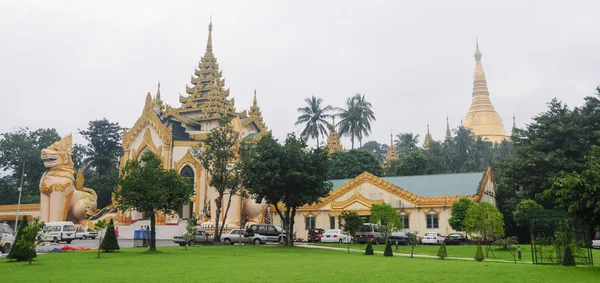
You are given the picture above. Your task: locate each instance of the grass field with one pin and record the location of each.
(458, 251)
(274, 264)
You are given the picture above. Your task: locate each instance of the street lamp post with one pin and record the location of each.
(241, 231)
(19, 201)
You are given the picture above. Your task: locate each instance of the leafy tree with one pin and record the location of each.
(110, 243)
(8, 190)
(391, 168)
(315, 118)
(356, 118)
(568, 260)
(15, 251)
(412, 163)
(104, 148)
(406, 142)
(24, 248)
(387, 216)
(388, 249)
(219, 155)
(100, 226)
(485, 220)
(506, 243)
(459, 213)
(435, 157)
(351, 223)
(290, 174)
(442, 253)
(369, 249)
(380, 150)
(146, 186)
(351, 163)
(190, 229)
(20, 153)
(479, 254)
(579, 193)
(524, 208)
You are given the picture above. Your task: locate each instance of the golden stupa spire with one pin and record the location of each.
(254, 101)
(448, 132)
(428, 139)
(209, 41)
(255, 112)
(482, 118)
(333, 140)
(157, 100)
(392, 154)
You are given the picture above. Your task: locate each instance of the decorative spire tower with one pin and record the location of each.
(255, 113)
(333, 140)
(482, 118)
(392, 154)
(448, 132)
(158, 101)
(428, 139)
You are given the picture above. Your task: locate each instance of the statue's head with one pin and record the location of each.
(59, 153)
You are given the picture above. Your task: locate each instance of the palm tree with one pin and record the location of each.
(356, 118)
(315, 118)
(406, 142)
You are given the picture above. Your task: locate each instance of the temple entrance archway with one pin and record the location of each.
(186, 211)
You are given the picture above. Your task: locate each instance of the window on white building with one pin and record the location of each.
(331, 222)
(432, 221)
(309, 222)
(405, 223)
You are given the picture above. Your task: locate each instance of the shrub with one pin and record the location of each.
(249, 232)
(24, 245)
(388, 249)
(109, 243)
(369, 250)
(569, 260)
(16, 251)
(506, 243)
(479, 253)
(442, 253)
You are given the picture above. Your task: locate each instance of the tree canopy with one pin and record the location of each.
(146, 187)
(351, 163)
(315, 118)
(356, 118)
(387, 216)
(459, 213)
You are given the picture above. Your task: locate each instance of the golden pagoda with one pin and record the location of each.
(392, 154)
(333, 140)
(428, 139)
(482, 118)
(256, 114)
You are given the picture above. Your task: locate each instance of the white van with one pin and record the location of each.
(59, 232)
(7, 237)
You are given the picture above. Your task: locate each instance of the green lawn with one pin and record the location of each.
(458, 251)
(274, 264)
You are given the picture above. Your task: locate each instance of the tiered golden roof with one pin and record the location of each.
(482, 118)
(255, 112)
(207, 93)
(392, 154)
(428, 139)
(333, 141)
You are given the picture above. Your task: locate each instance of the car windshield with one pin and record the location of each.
(365, 228)
(278, 228)
(430, 234)
(69, 228)
(332, 231)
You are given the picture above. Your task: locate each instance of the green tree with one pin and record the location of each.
(24, 249)
(351, 163)
(435, 157)
(380, 150)
(100, 226)
(110, 242)
(479, 253)
(387, 216)
(145, 186)
(351, 223)
(406, 142)
(524, 208)
(219, 156)
(388, 249)
(412, 163)
(579, 193)
(369, 249)
(356, 118)
(104, 145)
(190, 229)
(8, 190)
(459, 213)
(16, 251)
(20, 153)
(315, 118)
(485, 220)
(292, 175)
(442, 253)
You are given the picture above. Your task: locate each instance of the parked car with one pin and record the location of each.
(200, 236)
(401, 237)
(7, 237)
(336, 236)
(596, 240)
(273, 233)
(432, 238)
(456, 239)
(315, 235)
(59, 232)
(237, 235)
(84, 233)
(371, 231)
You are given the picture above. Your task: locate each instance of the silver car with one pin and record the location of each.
(237, 235)
(200, 236)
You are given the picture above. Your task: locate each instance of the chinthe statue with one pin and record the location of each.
(62, 197)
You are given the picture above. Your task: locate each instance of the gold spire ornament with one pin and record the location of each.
(333, 140)
(158, 101)
(482, 118)
(392, 154)
(428, 139)
(256, 113)
(448, 132)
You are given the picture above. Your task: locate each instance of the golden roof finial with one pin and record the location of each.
(428, 127)
(514, 121)
(448, 132)
(477, 52)
(209, 41)
(254, 102)
(391, 139)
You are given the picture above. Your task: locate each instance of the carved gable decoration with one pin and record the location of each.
(147, 142)
(148, 117)
(355, 201)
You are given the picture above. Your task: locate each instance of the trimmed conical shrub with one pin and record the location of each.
(442, 253)
(109, 243)
(569, 260)
(388, 249)
(369, 250)
(21, 250)
(479, 254)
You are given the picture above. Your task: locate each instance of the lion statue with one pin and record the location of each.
(62, 197)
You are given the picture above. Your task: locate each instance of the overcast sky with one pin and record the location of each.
(64, 63)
